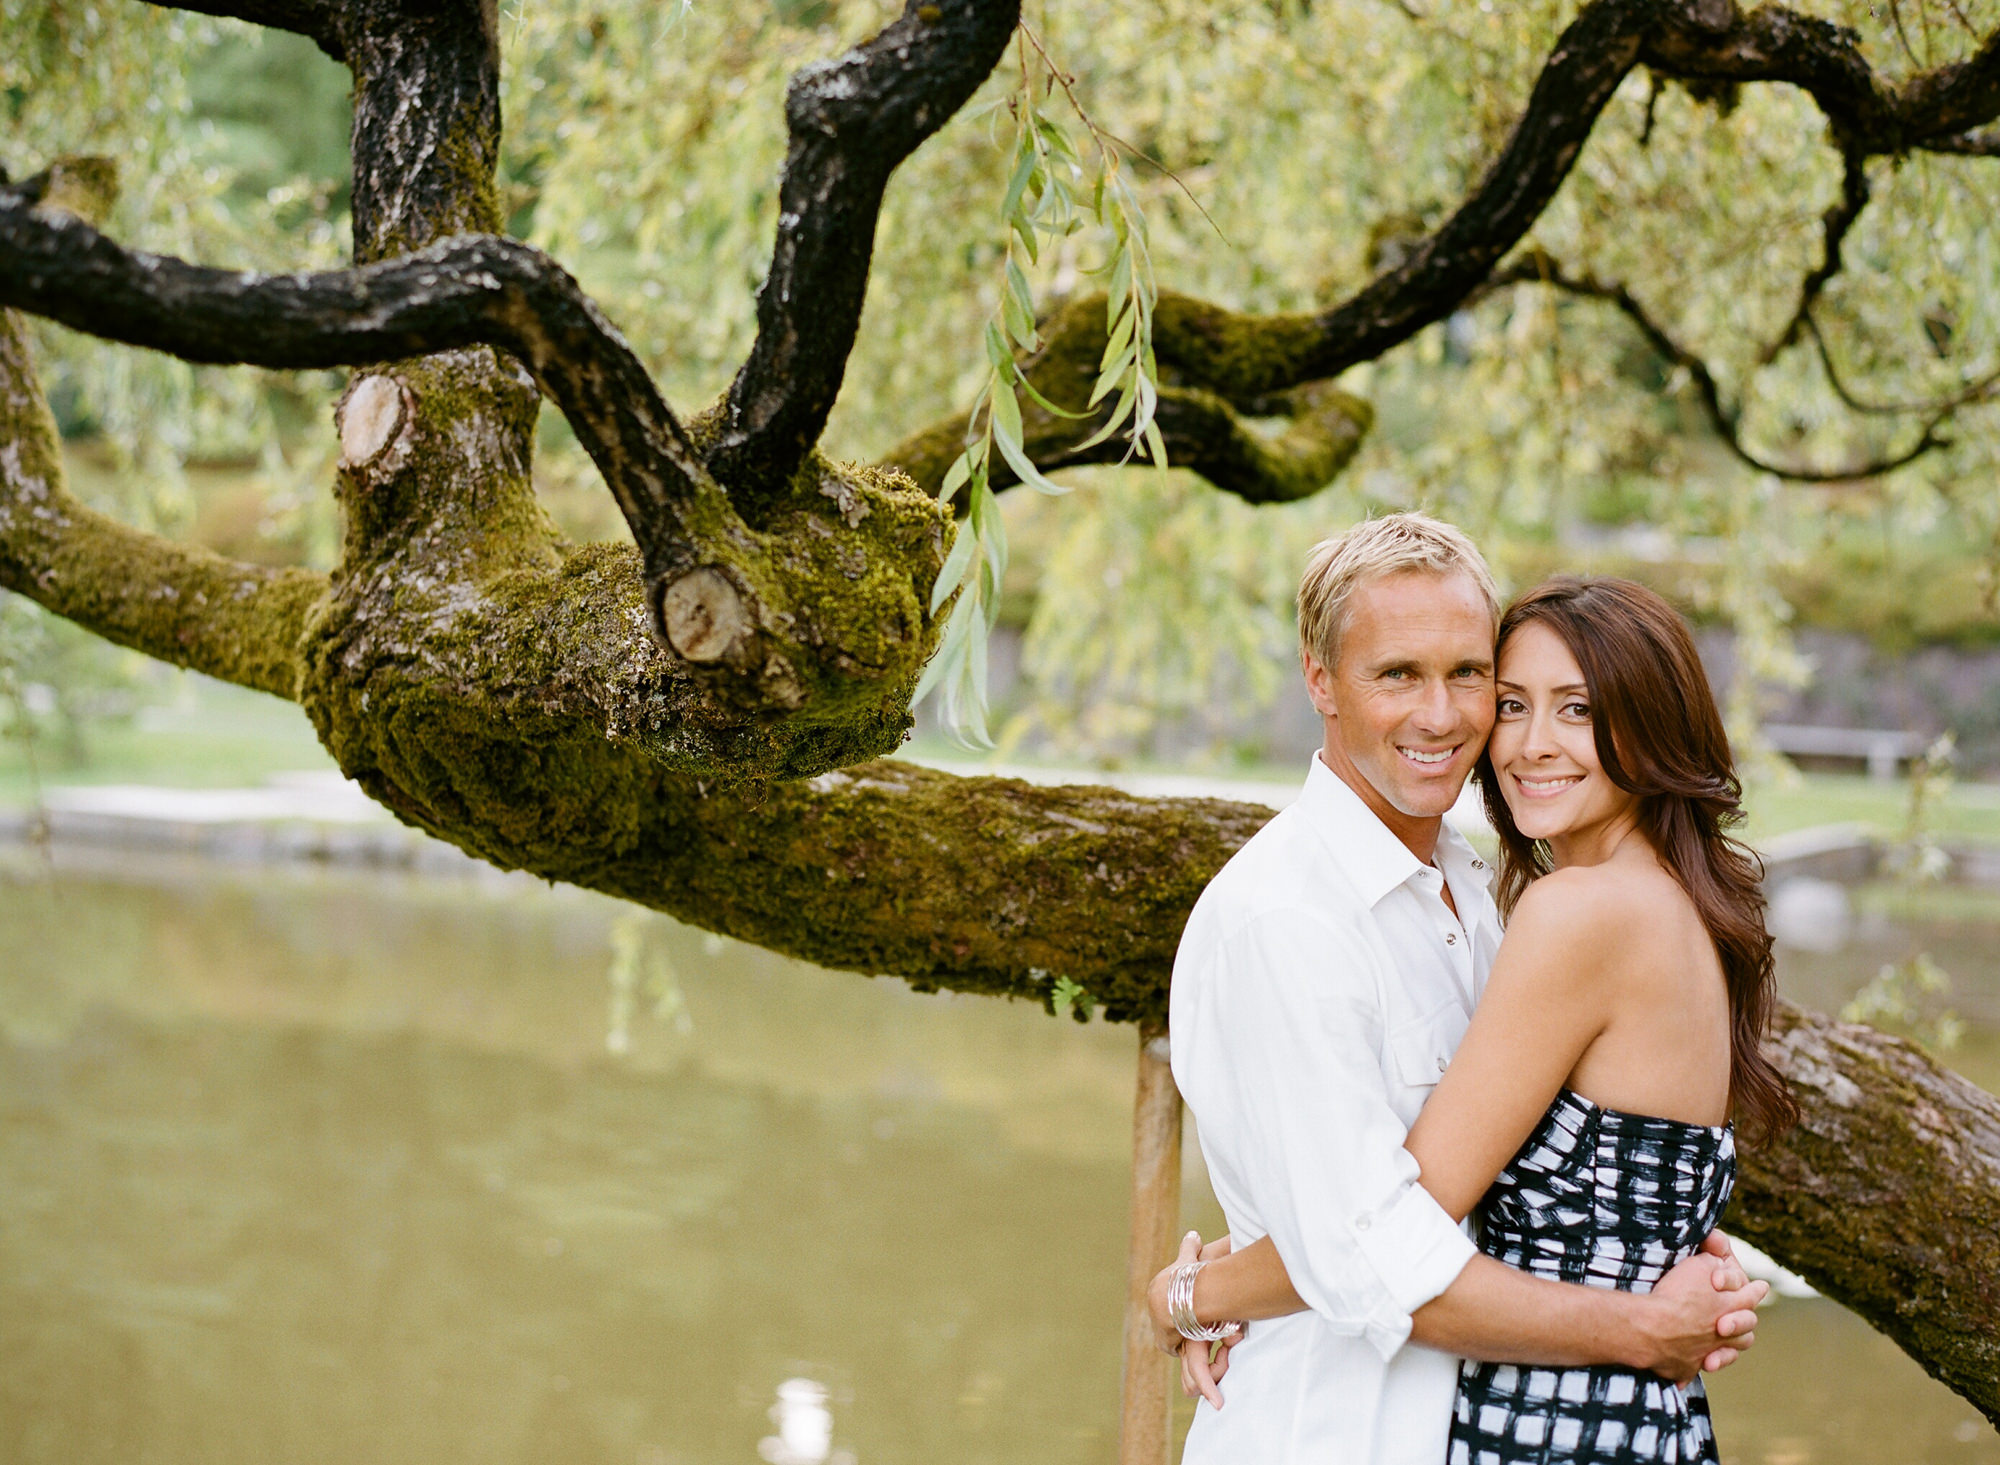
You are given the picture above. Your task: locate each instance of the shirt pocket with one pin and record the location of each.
(1422, 1047)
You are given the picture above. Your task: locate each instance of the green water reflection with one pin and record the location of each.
(322, 1167)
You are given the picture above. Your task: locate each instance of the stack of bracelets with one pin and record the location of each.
(1180, 1307)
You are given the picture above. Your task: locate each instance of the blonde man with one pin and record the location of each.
(1324, 980)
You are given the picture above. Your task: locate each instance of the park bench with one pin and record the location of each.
(1882, 750)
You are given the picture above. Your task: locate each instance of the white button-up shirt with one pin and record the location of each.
(1320, 990)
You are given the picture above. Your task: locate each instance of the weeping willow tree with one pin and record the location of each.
(893, 265)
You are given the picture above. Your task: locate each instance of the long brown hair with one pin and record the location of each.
(1660, 737)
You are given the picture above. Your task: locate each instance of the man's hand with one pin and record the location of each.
(1204, 1364)
(1704, 1301)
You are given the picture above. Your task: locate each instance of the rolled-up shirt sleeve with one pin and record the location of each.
(1279, 1052)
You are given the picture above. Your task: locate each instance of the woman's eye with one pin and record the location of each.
(1577, 709)
(1511, 707)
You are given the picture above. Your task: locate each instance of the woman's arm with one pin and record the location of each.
(1235, 1286)
(1546, 1002)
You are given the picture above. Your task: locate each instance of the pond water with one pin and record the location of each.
(311, 1166)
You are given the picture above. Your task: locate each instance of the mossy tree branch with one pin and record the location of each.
(464, 291)
(243, 623)
(1886, 1196)
(748, 612)
(823, 599)
(1203, 416)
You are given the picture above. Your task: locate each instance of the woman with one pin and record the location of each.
(1587, 1114)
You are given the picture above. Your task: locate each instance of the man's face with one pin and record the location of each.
(1409, 700)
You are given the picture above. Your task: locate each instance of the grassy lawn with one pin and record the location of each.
(209, 735)
(1967, 811)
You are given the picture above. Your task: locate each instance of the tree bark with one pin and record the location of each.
(851, 121)
(1887, 1196)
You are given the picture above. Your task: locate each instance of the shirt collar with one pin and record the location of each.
(1459, 862)
(1374, 861)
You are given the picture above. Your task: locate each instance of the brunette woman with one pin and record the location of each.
(1590, 1114)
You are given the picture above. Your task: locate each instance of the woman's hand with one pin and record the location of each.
(1166, 1337)
(1201, 1369)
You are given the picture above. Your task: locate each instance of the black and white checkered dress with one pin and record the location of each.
(1607, 1199)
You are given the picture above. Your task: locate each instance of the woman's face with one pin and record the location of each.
(1544, 748)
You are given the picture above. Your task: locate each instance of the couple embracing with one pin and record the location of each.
(1472, 1185)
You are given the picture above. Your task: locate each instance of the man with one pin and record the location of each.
(1325, 977)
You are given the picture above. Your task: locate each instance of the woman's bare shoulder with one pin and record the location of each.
(1610, 907)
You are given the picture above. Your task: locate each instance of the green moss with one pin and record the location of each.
(988, 886)
(838, 572)
(456, 473)
(927, 455)
(242, 623)
(85, 187)
(1240, 356)
(1217, 368)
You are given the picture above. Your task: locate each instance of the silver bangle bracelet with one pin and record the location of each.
(1180, 1307)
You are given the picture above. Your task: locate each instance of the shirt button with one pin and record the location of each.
(1441, 1064)
(1479, 864)
(1361, 1223)
(1451, 940)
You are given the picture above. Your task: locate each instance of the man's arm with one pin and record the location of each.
(1702, 1313)
(1498, 1314)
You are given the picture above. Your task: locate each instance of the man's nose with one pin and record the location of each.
(1437, 713)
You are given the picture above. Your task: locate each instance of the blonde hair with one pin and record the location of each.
(1370, 550)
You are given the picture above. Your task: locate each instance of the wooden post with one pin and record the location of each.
(1156, 1210)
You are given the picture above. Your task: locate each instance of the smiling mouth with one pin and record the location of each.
(1427, 758)
(1542, 788)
